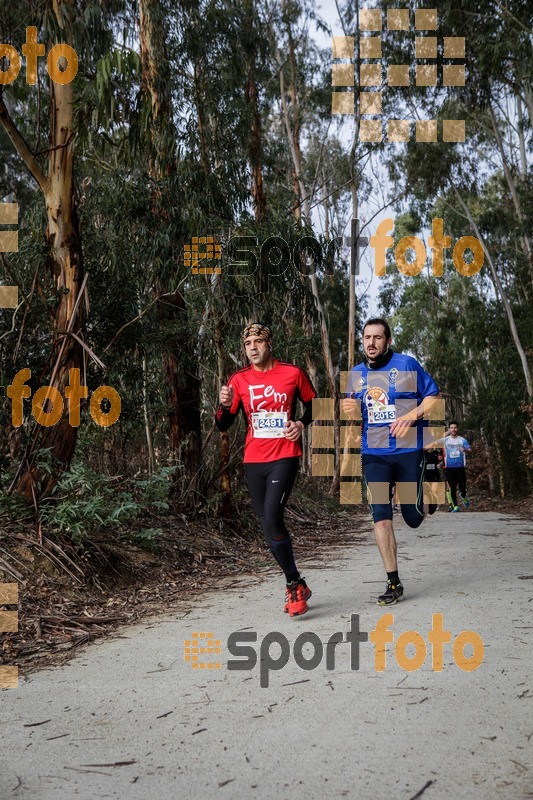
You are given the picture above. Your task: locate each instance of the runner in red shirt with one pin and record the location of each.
(267, 392)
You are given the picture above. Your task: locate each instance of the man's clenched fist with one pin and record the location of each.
(226, 396)
(349, 406)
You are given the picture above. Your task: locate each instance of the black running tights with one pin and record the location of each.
(270, 485)
(456, 477)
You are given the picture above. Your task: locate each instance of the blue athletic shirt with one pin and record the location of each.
(453, 456)
(386, 394)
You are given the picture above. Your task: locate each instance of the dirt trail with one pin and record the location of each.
(129, 718)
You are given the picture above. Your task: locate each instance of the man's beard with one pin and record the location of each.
(377, 354)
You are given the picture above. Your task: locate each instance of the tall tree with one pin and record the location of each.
(64, 256)
(181, 375)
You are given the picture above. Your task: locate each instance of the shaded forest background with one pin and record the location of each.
(213, 118)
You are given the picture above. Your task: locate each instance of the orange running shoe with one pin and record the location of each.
(296, 596)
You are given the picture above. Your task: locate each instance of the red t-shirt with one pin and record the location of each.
(277, 389)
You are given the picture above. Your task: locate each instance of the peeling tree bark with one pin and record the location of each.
(258, 194)
(65, 262)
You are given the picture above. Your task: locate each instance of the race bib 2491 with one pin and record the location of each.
(269, 424)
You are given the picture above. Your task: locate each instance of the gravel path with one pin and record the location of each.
(130, 718)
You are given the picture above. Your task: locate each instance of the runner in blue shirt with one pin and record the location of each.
(394, 394)
(455, 449)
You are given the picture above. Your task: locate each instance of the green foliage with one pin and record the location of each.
(85, 502)
(147, 537)
(14, 507)
(155, 489)
(151, 175)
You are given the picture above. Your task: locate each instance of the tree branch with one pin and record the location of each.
(139, 316)
(501, 291)
(21, 147)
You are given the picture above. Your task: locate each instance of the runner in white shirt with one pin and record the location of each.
(455, 449)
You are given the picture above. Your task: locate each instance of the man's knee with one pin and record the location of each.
(279, 542)
(382, 513)
(274, 529)
(413, 516)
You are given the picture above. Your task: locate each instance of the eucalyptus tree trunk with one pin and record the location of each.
(305, 205)
(225, 481)
(146, 417)
(296, 125)
(501, 476)
(352, 298)
(180, 370)
(524, 239)
(489, 464)
(255, 157)
(256, 147)
(65, 262)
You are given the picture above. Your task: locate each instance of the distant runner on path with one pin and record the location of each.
(267, 392)
(394, 393)
(455, 449)
(432, 475)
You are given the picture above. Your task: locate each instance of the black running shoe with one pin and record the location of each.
(393, 593)
(432, 508)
